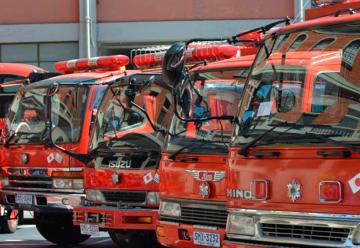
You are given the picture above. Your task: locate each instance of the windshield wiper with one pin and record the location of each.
(105, 145)
(18, 134)
(327, 139)
(196, 145)
(244, 150)
(7, 141)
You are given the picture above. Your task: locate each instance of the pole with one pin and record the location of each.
(87, 29)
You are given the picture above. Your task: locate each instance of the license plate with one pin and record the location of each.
(207, 239)
(90, 229)
(24, 199)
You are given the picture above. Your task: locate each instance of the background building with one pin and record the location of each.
(41, 32)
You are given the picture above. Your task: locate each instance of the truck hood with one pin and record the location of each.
(193, 176)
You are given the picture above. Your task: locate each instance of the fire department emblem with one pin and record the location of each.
(207, 175)
(204, 190)
(25, 158)
(115, 178)
(294, 190)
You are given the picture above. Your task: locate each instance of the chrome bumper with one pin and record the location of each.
(42, 201)
(295, 220)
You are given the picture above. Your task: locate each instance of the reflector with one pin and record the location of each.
(260, 189)
(330, 191)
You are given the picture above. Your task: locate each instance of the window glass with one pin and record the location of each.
(298, 41)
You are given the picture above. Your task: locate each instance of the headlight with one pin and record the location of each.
(152, 198)
(240, 225)
(68, 183)
(94, 195)
(170, 209)
(356, 235)
(4, 181)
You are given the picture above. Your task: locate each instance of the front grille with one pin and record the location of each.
(321, 233)
(203, 216)
(81, 217)
(132, 197)
(31, 182)
(200, 214)
(10, 198)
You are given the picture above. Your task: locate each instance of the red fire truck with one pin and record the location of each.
(193, 179)
(122, 190)
(121, 183)
(292, 173)
(12, 77)
(37, 175)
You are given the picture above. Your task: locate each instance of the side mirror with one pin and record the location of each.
(285, 100)
(34, 76)
(52, 89)
(174, 63)
(131, 91)
(185, 102)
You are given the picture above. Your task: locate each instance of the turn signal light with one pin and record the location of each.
(137, 219)
(330, 191)
(68, 174)
(260, 189)
(160, 231)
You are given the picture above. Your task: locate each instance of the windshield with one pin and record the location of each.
(124, 137)
(309, 79)
(218, 95)
(27, 115)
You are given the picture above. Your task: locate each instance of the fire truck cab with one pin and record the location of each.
(192, 169)
(193, 180)
(292, 172)
(12, 77)
(121, 180)
(44, 117)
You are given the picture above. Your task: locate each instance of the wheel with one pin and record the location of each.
(20, 217)
(9, 221)
(134, 239)
(58, 228)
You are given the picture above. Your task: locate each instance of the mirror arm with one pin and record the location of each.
(223, 117)
(147, 117)
(84, 158)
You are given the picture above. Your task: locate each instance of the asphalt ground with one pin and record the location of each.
(27, 236)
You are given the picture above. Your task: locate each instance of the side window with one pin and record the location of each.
(297, 42)
(100, 91)
(336, 99)
(323, 44)
(99, 94)
(349, 54)
(8, 78)
(280, 42)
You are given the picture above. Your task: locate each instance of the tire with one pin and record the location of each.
(9, 225)
(134, 239)
(58, 228)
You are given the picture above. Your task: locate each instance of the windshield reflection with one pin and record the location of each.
(123, 137)
(27, 116)
(310, 78)
(219, 93)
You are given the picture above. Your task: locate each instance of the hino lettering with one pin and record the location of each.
(239, 193)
